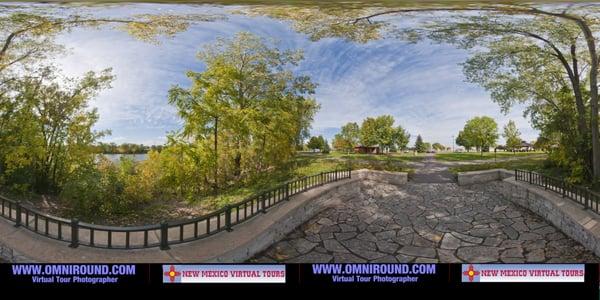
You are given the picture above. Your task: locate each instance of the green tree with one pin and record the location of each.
(400, 138)
(462, 140)
(50, 133)
(348, 137)
(379, 131)
(427, 146)
(512, 136)
(318, 143)
(342, 144)
(481, 132)
(326, 148)
(248, 105)
(420, 145)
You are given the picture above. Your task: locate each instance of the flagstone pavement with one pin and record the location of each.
(426, 222)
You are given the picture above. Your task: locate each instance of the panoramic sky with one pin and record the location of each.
(421, 85)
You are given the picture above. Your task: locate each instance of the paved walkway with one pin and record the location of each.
(431, 171)
(427, 222)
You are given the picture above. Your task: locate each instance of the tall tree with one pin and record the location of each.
(378, 131)
(50, 133)
(400, 138)
(247, 104)
(512, 136)
(420, 145)
(481, 132)
(462, 140)
(348, 137)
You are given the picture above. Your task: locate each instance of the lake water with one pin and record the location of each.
(117, 157)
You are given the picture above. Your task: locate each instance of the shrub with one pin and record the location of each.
(95, 191)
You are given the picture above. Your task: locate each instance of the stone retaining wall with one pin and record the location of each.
(565, 214)
(468, 178)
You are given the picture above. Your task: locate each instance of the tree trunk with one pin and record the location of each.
(237, 160)
(591, 43)
(216, 187)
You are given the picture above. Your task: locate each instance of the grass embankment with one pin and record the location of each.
(532, 164)
(468, 156)
(306, 164)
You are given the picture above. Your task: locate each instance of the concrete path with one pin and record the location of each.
(431, 171)
(427, 222)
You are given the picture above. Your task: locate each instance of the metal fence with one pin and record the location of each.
(166, 233)
(582, 195)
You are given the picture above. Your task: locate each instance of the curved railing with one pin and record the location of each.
(580, 194)
(166, 233)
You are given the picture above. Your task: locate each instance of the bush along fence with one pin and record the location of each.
(166, 233)
(582, 195)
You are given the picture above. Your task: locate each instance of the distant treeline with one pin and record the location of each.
(125, 148)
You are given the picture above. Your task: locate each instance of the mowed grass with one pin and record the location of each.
(396, 156)
(467, 156)
(526, 163)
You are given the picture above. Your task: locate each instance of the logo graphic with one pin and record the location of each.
(471, 273)
(172, 274)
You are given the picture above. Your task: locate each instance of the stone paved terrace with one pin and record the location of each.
(427, 222)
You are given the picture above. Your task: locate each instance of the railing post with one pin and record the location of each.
(564, 188)
(74, 233)
(349, 173)
(321, 179)
(18, 216)
(228, 218)
(587, 198)
(516, 175)
(530, 177)
(263, 204)
(287, 191)
(164, 235)
(335, 176)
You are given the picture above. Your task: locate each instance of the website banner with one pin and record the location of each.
(523, 273)
(223, 273)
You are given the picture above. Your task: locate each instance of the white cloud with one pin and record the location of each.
(421, 85)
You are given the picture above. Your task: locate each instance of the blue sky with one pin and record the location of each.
(421, 85)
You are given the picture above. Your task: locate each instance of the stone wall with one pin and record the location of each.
(468, 178)
(570, 217)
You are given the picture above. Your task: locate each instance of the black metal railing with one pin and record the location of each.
(166, 233)
(580, 194)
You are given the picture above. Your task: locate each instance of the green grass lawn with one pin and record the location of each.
(397, 156)
(465, 156)
(526, 163)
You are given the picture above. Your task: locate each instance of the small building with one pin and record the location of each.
(367, 149)
(525, 147)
